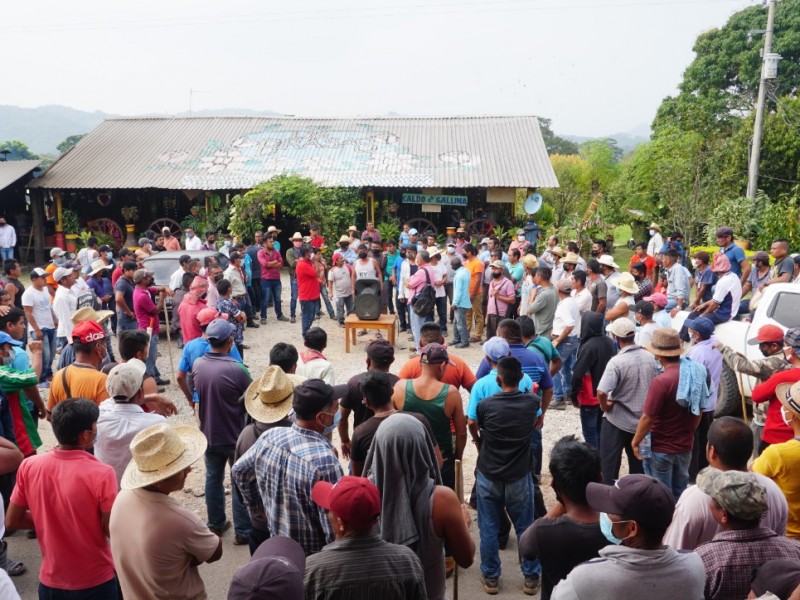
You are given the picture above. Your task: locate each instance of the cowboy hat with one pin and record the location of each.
(87, 313)
(273, 229)
(626, 283)
(665, 342)
(557, 250)
(296, 236)
(654, 226)
(608, 261)
(571, 258)
(530, 261)
(433, 251)
(161, 451)
(97, 266)
(269, 398)
(344, 239)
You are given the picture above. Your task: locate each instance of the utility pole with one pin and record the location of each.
(755, 150)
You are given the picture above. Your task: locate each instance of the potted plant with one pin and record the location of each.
(130, 214)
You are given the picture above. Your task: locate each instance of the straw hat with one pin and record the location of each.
(529, 261)
(97, 266)
(161, 451)
(296, 236)
(654, 226)
(665, 342)
(352, 228)
(626, 283)
(433, 251)
(269, 398)
(344, 239)
(607, 260)
(273, 229)
(571, 258)
(789, 395)
(557, 250)
(87, 313)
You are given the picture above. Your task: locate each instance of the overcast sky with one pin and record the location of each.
(594, 66)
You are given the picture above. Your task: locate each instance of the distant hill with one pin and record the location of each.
(44, 127)
(627, 140)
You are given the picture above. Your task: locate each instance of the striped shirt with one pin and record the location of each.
(364, 568)
(275, 477)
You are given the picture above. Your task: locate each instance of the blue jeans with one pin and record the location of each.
(293, 299)
(105, 591)
(323, 294)
(517, 500)
(441, 310)
(402, 312)
(216, 457)
(271, 290)
(670, 469)
(670, 305)
(48, 352)
(562, 381)
(591, 420)
(460, 333)
(6, 254)
(126, 323)
(308, 312)
(150, 365)
(539, 509)
(416, 325)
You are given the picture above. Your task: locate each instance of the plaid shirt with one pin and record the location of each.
(730, 557)
(275, 477)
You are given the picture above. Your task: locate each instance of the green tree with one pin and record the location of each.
(554, 143)
(69, 142)
(18, 150)
(574, 188)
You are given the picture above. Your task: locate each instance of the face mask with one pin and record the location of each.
(451, 250)
(784, 412)
(329, 429)
(311, 256)
(695, 263)
(496, 275)
(344, 246)
(109, 255)
(218, 277)
(652, 232)
(362, 255)
(189, 235)
(605, 527)
(520, 238)
(8, 360)
(594, 253)
(60, 261)
(227, 243)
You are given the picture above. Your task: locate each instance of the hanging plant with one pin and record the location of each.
(130, 214)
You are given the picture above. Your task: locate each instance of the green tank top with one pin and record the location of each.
(433, 410)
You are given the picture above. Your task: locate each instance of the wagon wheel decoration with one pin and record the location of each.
(481, 227)
(108, 227)
(422, 225)
(174, 227)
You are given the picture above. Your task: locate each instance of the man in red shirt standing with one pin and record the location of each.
(66, 495)
(271, 262)
(317, 241)
(307, 287)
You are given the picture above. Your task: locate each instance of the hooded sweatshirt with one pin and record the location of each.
(595, 351)
(622, 572)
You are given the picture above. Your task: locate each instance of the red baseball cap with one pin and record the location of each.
(88, 331)
(355, 500)
(206, 315)
(766, 334)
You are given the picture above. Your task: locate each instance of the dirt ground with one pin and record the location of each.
(217, 576)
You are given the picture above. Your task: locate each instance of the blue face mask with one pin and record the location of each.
(189, 235)
(605, 526)
(329, 429)
(109, 255)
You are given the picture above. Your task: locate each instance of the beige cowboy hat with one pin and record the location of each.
(97, 266)
(654, 226)
(665, 342)
(296, 236)
(269, 398)
(557, 250)
(529, 261)
(345, 239)
(434, 251)
(273, 229)
(87, 313)
(607, 260)
(571, 258)
(352, 228)
(161, 451)
(626, 283)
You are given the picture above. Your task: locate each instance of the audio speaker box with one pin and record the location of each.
(368, 300)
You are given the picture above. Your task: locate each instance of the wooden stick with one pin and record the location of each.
(169, 343)
(460, 494)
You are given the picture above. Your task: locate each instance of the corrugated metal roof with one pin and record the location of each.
(12, 170)
(229, 153)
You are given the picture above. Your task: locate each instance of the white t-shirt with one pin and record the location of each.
(64, 305)
(342, 282)
(729, 284)
(645, 335)
(441, 275)
(567, 314)
(584, 300)
(39, 301)
(193, 243)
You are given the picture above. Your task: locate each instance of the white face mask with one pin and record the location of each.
(786, 420)
(695, 263)
(520, 238)
(652, 232)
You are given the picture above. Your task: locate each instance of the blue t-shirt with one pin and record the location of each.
(533, 366)
(735, 255)
(461, 281)
(707, 278)
(194, 350)
(487, 386)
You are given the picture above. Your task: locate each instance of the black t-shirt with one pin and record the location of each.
(560, 544)
(126, 287)
(365, 433)
(506, 421)
(353, 398)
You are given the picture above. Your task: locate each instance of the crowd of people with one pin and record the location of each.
(705, 508)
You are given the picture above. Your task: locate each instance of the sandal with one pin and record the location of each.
(15, 568)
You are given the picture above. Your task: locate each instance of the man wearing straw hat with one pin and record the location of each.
(157, 544)
(671, 426)
(268, 400)
(292, 256)
(220, 381)
(656, 241)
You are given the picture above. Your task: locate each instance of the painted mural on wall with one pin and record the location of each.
(354, 157)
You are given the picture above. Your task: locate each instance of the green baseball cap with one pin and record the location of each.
(737, 492)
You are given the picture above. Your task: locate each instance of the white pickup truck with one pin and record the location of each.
(779, 305)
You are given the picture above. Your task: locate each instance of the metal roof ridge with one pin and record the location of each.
(316, 118)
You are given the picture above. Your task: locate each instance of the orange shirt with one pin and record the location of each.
(83, 382)
(475, 268)
(50, 270)
(459, 375)
(649, 263)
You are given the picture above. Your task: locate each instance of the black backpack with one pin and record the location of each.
(425, 301)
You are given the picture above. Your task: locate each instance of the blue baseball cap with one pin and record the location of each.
(496, 348)
(219, 330)
(7, 339)
(703, 326)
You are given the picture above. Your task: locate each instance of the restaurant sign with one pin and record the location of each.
(434, 199)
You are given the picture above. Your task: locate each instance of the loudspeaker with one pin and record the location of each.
(368, 300)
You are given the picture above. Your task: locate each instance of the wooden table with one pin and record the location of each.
(352, 323)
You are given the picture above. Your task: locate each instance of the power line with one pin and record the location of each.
(343, 13)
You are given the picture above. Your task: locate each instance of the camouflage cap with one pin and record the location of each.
(737, 492)
(792, 338)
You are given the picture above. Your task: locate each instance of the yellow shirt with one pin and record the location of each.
(781, 463)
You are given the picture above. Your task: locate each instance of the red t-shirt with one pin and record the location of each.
(116, 273)
(190, 326)
(586, 396)
(673, 426)
(460, 375)
(66, 492)
(317, 242)
(775, 430)
(307, 282)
